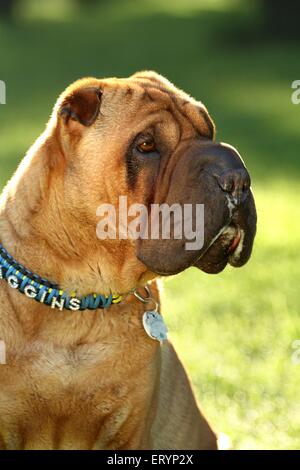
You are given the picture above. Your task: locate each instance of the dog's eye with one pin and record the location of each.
(147, 146)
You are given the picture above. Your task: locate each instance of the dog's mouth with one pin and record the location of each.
(228, 236)
(233, 244)
(227, 247)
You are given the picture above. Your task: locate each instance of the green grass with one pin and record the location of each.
(234, 332)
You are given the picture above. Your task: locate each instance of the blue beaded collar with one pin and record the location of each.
(46, 292)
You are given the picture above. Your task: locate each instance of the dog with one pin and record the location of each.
(81, 371)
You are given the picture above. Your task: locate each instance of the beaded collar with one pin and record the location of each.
(46, 292)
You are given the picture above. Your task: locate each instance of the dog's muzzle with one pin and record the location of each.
(212, 174)
(234, 242)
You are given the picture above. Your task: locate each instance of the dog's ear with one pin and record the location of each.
(81, 105)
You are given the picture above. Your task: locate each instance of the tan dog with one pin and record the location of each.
(94, 379)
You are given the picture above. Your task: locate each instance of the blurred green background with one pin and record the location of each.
(235, 331)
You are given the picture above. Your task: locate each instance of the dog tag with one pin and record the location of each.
(155, 326)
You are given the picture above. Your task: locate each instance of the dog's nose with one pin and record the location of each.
(224, 163)
(235, 182)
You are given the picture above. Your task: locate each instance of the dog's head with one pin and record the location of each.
(143, 138)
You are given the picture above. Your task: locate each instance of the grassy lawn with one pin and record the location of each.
(234, 332)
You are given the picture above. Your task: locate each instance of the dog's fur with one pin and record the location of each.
(91, 379)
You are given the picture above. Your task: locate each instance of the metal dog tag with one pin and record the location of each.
(155, 326)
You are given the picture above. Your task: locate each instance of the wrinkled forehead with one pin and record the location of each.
(144, 97)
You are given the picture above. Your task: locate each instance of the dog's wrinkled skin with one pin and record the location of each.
(94, 379)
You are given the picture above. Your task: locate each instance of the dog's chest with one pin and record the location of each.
(69, 397)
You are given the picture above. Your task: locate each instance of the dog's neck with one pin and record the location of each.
(42, 235)
(50, 239)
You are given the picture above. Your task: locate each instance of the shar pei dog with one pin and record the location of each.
(87, 362)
